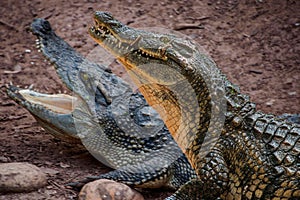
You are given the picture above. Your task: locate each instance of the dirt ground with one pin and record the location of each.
(255, 42)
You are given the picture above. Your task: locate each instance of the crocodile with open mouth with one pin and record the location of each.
(106, 116)
(236, 151)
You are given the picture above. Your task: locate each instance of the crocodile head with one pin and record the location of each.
(56, 112)
(171, 72)
(135, 47)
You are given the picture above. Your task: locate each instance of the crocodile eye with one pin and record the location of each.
(84, 76)
(164, 39)
(87, 81)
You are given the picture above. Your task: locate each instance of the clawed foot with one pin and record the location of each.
(78, 185)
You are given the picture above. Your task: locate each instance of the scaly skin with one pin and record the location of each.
(95, 117)
(236, 151)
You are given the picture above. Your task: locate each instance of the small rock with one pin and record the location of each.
(3, 159)
(292, 93)
(63, 165)
(107, 189)
(270, 103)
(49, 171)
(21, 177)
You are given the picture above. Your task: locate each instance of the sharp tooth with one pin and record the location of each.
(103, 34)
(120, 44)
(30, 87)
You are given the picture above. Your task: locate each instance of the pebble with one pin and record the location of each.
(21, 177)
(104, 189)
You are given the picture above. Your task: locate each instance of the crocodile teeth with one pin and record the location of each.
(120, 44)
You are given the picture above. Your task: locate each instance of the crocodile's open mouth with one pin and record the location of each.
(105, 35)
(58, 103)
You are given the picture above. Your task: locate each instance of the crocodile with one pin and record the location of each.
(237, 151)
(106, 116)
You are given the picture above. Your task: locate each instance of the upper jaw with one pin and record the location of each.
(76, 72)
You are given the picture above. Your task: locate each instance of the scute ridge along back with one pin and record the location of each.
(256, 155)
(143, 161)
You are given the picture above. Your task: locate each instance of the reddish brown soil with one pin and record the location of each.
(255, 43)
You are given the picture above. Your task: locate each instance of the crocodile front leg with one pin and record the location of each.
(212, 180)
(145, 175)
